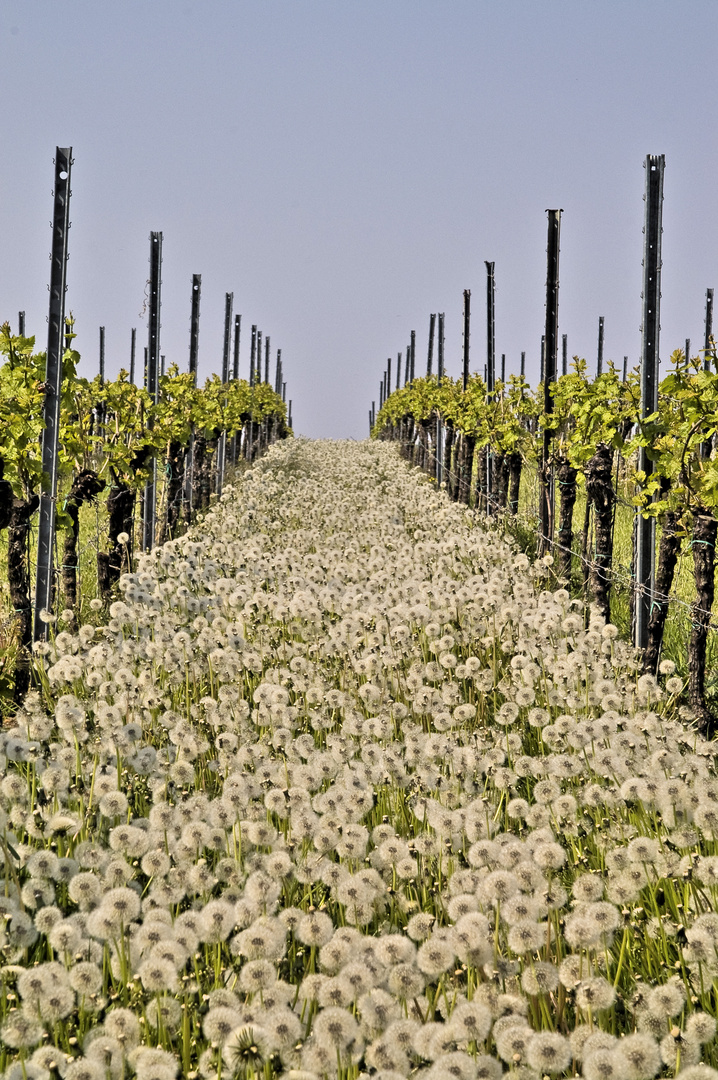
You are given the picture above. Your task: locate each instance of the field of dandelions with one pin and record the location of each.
(344, 788)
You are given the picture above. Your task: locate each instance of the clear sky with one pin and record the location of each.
(344, 167)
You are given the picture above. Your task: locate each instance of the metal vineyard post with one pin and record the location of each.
(53, 383)
(646, 527)
(153, 350)
(549, 375)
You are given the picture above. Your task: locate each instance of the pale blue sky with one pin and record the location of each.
(345, 168)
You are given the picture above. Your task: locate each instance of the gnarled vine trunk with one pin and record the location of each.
(200, 451)
(175, 479)
(705, 527)
(468, 442)
(120, 512)
(19, 583)
(599, 488)
(501, 474)
(448, 447)
(566, 476)
(668, 551)
(85, 487)
(480, 501)
(515, 467)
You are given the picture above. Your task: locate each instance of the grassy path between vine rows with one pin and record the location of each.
(342, 788)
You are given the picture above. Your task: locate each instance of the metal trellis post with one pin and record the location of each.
(440, 348)
(490, 328)
(53, 386)
(467, 331)
(550, 343)
(133, 349)
(252, 355)
(599, 361)
(193, 355)
(153, 351)
(430, 353)
(226, 344)
(708, 342)
(235, 356)
(650, 332)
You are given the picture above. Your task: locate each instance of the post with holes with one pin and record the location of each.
(21, 323)
(234, 450)
(133, 349)
(687, 351)
(467, 332)
(388, 376)
(252, 355)
(226, 343)
(153, 385)
(650, 329)
(550, 343)
(439, 376)
(564, 354)
(599, 361)
(412, 350)
(235, 355)
(98, 407)
(53, 386)
(193, 355)
(625, 368)
(398, 371)
(440, 348)
(490, 329)
(503, 367)
(430, 353)
(708, 343)
(249, 426)
(523, 365)
(266, 359)
(278, 373)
